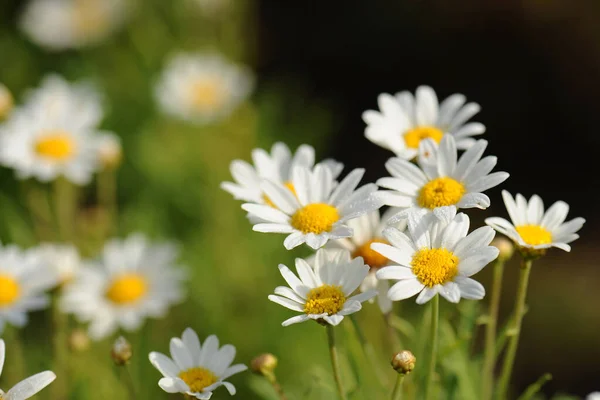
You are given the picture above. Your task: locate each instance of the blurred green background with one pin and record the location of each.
(533, 66)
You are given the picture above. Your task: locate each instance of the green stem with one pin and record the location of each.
(435, 313)
(107, 195)
(489, 359)
(270, 376)
(511, 352)
(60, 327)
(397, 393)
(335, 362)
(368, 350)
(129, 382)
(65, 203)
(392, 334)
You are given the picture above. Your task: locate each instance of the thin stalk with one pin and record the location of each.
(397, 393)
(60, 327)
(489, 359)
(129, 382)
(511, 352)
(270, 376)
(65, 204)
(107, 195)
(435, 314)
(335, 362)
(392, 334)
(368, 350)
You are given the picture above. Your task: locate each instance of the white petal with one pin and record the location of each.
(287, 303)
(163, 364)
(474, 200)
(426, 295)
(267, 213)
(2, 354)
(273, 228)
(295, 320)
(556, 215)
(172, 385)
(426, 109)
(449, 291)
(180, 354)
(470, 288)
(405, 289)
(446, 162)
(30, 386)
(293, 281)
(395, 272)
(294, 239)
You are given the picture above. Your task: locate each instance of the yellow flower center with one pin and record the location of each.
(534, 234)
(288, 185)
(440, 192)
(434, 266)
(372, 258)
(127, 289)
(325, 299)
(55, 145)
(315, 218)
(414, 136)
(198, 378)
(207, 94)
(9, 290)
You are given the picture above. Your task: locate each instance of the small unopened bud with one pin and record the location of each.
(404, 362)
(264, 364)
(121, 351)
(110, 151)
(6, 102)
(79, 340)
(505, 246)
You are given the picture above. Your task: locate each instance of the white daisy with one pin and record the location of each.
(202, 88)
(443, 182)
(368, 229)
(405, 120)
(318, 209)
(532, 229)
(323, 294)
(27, 387)
(53, 133)
(23, 281)
(593, 396)
(70, 24)
(62, 260)
(276, 167)
(6, 102)
(110, 151)
(195, 369)
(437, 256)
(134, 279)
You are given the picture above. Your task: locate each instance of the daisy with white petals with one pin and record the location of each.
(318, 208)
(27, 387)
(133, 280)
(532, 229)
(436, 257)
(196, 369)
(202, 88)
(445, 182)
(323, 293)
(404, 120)
(62, 260)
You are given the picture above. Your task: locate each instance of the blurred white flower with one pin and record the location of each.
(404, 120)
(202, 88)
(63, 260)
(27, 387)
(593, 396)
(53, 133)
(68, 24)
(196, 369)
(6, 102)
(133, 279)
(23, 282)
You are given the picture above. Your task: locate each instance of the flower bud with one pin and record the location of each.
(121, 351)
(110, 152)
(505, 246)
(404, 362)
(6, 102)
(79, 340)
(264, 364)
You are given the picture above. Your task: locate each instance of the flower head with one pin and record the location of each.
(196, 369)
(404, 120)
(202, 88)
(323, 293)
(436, 257)
(27, 387)
(534, 230)
(134, 279)
(62, 260)
(110, 151)
(318, 208)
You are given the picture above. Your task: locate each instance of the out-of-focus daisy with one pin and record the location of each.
(23, 281)
(276, 167)
(202, 88)
(532, 229)
(445, 182)
(593, 396)
(6, 102)
(69, 24)
(110, 151)
(323, 293)
(53, 133)
(27, 387)
(62, 260)
(368, 229)
(436, 257)
(318, 209)
(196, 369)
(133, 280)
(404, 120)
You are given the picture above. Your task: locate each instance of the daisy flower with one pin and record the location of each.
(72, 24)
(202, 88)
(405, 120)
(443, 182)
(196, 369)
(437, 256)
(133, 280)
(323, 294)
(317, 210)
(534, 230)
(368, 229)
(6, 102)
(23, 281)
(27, 387)
(276, 167)
(53, 134)
(593, 396)
(62, 260)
